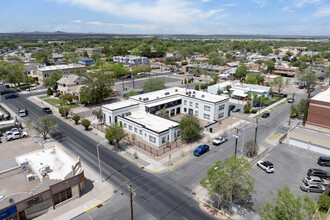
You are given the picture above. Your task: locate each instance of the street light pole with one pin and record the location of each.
(98, 157)
(291, 109)
(256, 131)
(63, 108)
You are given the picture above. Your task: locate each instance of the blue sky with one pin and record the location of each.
(279, 17)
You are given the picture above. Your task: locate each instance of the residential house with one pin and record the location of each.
(286, 71)
(86, 61)
(241, 90)
(70, 84)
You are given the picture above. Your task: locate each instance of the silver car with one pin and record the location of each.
(312, 187)
(316, 179)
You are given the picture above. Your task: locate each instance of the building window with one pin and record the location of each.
(130, 127)
(135, 130)
(163, 140)
(141, 132)
(185, 102)
(206, 116)
(207, 108)
(62, 196)
(125, 125)
(190, 104)
(221, 107)
(152, 139)
(221, 115)
(196, 113)
(184, 109)
(196, 105)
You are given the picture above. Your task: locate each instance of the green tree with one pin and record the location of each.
(43, 125)
(49, 91)
(41, 57)
(326, 74)
(14, 73)
(196, 87)
(114, 133)
(286, 207)
(153, 84)
(324, 202)
(68, 97)
(29, 80)
(136, 52)
(76, 118)
(255, 78)
(96, 56)
(163, 112)
(279, 84)
(215, 78)
(86, 123)
(190, 128)
(301, 107)
(197, 71)
(229, 182)
(131, 93)
(63, 111)
(270, 65)
(241, 71)
(98, 114)
(308, 77)
(247, 108)
(52, 80)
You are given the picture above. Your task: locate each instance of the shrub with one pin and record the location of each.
(76, 118)
(197, 87)
(253, 111)
(49, 91)
(247, 108)
(203, 86)
(185, 81)
(184, 63)
(252, 149)
(135, 155)
(62, 111)
(86, 123)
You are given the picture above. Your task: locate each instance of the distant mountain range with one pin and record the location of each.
(63, 35)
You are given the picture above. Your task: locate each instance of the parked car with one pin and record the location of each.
(31, 89)
(201, 150)
(12, 130)
(318, 172)
(7, 86)
(265, 115)
(47, 110)
(15, 135)
(324, 161)
(316, 179)
(266, 165)
(231, 107)
(11, 96)
(312, 187)
(310, 90)
(302, 87)
(290, 100)
(23, 113)
(257, 104)
(140, 74)
(236, 110)
(219, 140)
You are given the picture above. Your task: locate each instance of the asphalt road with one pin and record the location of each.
(157, 198)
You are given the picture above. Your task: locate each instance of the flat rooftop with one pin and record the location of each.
(121, 104)
(60, 67)
(322, 96)
(170, 92)
(151, 121)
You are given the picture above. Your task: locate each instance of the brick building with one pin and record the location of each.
(319, 110)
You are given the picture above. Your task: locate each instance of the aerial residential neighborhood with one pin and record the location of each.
(186, 113)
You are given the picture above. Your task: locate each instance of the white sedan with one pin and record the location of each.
(267, 166)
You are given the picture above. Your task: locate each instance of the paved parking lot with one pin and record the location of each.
(291, 165)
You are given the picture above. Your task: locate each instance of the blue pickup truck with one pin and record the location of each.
(12, 96)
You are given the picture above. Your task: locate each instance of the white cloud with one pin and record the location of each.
(206, 0)
(76, 21)
(322, 12)
(261, 3)
(300, 3)
(170, 15)
(229, 5)
(287, 9)
(144, 26)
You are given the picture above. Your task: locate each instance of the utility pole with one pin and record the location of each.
(63, 108)
(131, 198)
(236, 136)
(306, 111)
(256, 130)
(291, 108)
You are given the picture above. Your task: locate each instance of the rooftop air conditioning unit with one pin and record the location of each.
(30, 177)
(202, 96)
(167, 93)
(140, 98)
(44, 169)
(176, 90)
(193, 96)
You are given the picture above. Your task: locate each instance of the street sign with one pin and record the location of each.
(235, 136)
(169, 156)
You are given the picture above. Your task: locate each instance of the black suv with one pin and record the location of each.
(231, 107)
(318, 172)
(324, 161)
(47, 110)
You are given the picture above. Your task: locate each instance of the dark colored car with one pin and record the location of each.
(318, 172)
(324, 161)
(47, 110)
(7, 86)
(201, 150)
(265, 115)
(301, 87)
(256, 104)
(12, 96)
(231, 107)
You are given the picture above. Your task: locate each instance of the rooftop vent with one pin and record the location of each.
(202, 96)
(176, 90)
(140, 98)
(167, 93)
(194, 92)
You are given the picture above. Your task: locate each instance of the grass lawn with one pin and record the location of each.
(57, 102)
(53, 101)
(44, 97)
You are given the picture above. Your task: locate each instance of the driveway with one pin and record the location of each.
(291, 165)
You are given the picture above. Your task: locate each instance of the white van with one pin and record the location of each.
(22, 113)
